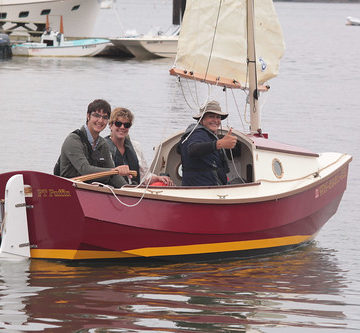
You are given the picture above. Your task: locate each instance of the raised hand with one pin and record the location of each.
(227, 142)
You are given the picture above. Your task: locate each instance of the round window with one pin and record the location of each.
(277, 168)
(179, 171)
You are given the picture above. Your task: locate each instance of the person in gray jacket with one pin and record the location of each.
(84, 151)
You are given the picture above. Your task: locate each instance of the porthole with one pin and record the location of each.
(75, 7)
(24, 14)
(179, 171)
(45, 12)
(277, 168)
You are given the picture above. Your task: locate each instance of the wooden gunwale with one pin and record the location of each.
(221, 201)
(287, 151)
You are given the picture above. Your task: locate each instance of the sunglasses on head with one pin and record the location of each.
(119, 124)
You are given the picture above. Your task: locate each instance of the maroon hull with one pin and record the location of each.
(178, 225)
(64, 217)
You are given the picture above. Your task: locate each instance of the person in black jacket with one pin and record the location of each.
(128, 152)
(202, 152)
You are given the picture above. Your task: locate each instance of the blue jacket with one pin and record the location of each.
(202, 163)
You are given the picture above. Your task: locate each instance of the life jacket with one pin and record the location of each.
(93, 156)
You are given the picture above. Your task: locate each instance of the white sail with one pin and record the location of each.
(213, 38)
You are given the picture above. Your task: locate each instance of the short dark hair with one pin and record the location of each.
(97, 105)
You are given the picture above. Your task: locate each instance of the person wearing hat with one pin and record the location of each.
(202, 151)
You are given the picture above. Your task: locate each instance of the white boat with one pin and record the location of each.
(106, 4)
(53, 44)
(5, 47)
(352, 21)
(150, 45)
(28, 16)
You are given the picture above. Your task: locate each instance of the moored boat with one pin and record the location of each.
(278, 199)
(148, 46)
(53, 44)
(154, 43)
(352, 21)
(5, 47)
(29, 16)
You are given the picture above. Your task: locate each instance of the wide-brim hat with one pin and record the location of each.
(213, 107)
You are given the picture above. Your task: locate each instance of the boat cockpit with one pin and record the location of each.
(168, 161)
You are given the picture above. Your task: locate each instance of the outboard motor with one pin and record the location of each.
(5, 47)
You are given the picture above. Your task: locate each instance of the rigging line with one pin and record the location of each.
(184, 95)
(213, 40)
(116, 197)
(237, 109)
(226, 105)
(247, 94)
(235, 168)
(196, 93)
(147, 184)
(190, 91)
(227, 120)
(198, 122)
(146, 180)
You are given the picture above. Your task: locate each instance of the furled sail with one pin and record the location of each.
(213, 41)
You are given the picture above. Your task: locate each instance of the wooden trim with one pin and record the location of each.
(157, 191)
(211, 79)
(100, 174)
(288, 151)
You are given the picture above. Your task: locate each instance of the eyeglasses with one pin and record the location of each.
(98, 115)
(119, 124)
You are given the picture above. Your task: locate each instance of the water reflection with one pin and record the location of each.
(15, 295)
(298, 289)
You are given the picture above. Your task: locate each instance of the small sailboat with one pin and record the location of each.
(352, 20)
(53, 44)
(285, 193)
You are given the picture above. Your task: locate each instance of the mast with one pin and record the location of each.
(251, 58)
(61, 25)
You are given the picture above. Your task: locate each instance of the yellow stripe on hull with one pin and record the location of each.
(219, 247)
(77, 254)
(172, 250)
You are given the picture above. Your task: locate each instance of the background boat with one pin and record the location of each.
(72, 48)
(53, 44)
(352, 21)
(29, 16)
(155, 43)
(5, 47)
(150, 45)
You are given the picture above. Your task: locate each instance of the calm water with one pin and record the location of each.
(313, 103)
